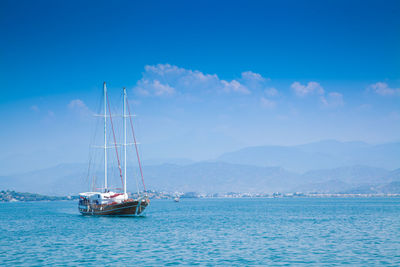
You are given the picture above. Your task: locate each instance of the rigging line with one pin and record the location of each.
(91, 157)
(115, 142)
(134, 141)
(137, 184)
(98, 170)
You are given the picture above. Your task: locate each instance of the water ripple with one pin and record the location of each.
(211, 232)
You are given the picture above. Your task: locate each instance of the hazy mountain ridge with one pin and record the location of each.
(300, 158)
(210, 177)
(356, 174)
(58, 180)
(219, 177)
(319, 155)
(326, 166)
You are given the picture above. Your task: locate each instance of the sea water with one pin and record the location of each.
(229, 232)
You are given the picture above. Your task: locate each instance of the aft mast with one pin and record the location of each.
(105, 137)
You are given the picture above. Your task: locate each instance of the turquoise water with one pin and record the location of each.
(298, 231)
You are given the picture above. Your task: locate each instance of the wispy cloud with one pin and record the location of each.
(77, 104)
(252, 76)
(49, 117)
(79, 107)
(234, 86)
(327, 99)
(310, 88)
(383, 89)
(332, 100)
(271, 92)
(166, 79)
(154, 87)
(254, 82)
(267, 103)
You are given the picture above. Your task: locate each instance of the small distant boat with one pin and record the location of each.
(176, 199)
(108, 202)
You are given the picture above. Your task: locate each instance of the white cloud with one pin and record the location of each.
(383, 89)
(329, 100)
(234, 86)
(253, 81)
(166, 79)
(266, 103)
(155, 87)
(162, 89)
(142, 91)
(310, 88)
(78, 106)
(252, 76)
(332, 100)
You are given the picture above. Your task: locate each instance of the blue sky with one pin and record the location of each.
(205, 77)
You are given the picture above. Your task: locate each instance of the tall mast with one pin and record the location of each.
(105, 136)
(124, 140)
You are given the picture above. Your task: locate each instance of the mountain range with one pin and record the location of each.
(318, 155)
(212, 177)
(325, 167)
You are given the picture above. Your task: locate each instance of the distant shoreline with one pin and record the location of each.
(12, 196)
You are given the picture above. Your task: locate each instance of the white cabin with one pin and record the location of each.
(103, 198)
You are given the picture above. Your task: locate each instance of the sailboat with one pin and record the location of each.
(108, 202)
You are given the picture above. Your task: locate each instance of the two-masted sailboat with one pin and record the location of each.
(108, 202)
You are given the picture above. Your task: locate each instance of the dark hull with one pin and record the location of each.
(133, 207)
